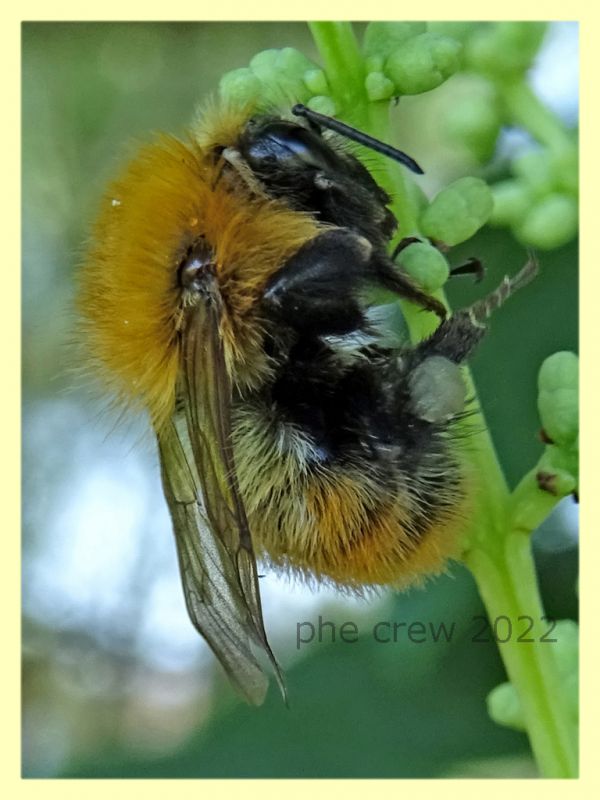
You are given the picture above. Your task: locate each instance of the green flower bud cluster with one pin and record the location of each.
(539, 203)
(494, 55)
(274, 76)
(503, 702)
(458, 211)
(558, 405)
(405, 58)
(505, 50)
(453, 216)
(399, 58)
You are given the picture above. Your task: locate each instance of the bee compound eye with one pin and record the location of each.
(285, 144)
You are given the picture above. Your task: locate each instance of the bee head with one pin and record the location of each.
(296, 163)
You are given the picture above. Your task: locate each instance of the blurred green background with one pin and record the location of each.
(115, 682)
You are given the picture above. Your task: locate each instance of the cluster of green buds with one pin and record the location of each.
(403, 58)
(400, 58)
(278, 75)
(538, 202)
(556, 475)
(454, 215)
(558, 406)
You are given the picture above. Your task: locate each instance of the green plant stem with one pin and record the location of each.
(497, 545)
(343, 66)
(527, 110)
(389, 176)
(505, 577)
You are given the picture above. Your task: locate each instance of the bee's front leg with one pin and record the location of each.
(318, 290)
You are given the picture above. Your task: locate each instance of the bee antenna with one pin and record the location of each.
(349, 132)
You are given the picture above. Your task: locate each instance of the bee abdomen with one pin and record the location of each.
(355, 521)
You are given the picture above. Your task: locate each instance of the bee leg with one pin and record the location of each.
(393, 278)
(234, 158)
(403, 244)
(456, 337)
(317, 290)
(472, 266)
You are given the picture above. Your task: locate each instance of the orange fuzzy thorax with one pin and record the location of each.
(130, 300)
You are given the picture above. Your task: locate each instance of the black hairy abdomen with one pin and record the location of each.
(359, 418)
(350, 412)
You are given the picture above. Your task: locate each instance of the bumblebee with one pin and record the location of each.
(226, 293)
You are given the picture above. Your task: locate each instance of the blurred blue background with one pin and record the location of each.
(115, 681)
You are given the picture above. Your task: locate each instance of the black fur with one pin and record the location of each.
(353, 401)
(296, 164)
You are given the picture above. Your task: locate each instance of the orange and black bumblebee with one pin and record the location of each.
(226, 292)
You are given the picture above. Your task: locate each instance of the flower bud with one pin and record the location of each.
(282, 72)
(504, 49)
(323, 105)
(383, 38)
(240, 85)
(535, 168)
(550, 223)
(504, 707)
(287, 62)
(458, 211)
(378, 86)
(422, 63)
(315, 81)
(475, 120)
(512, 200)
(558, 397)
(426, 265)
(565, 164)
(559, 371)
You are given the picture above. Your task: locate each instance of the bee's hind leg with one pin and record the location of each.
(456, 337)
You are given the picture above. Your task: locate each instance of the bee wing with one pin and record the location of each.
(214, 545)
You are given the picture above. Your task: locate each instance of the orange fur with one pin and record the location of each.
(170, 195)
(354, 536)
(219, 123)
(335, 523)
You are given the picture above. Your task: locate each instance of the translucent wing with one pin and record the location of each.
(214, 545)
